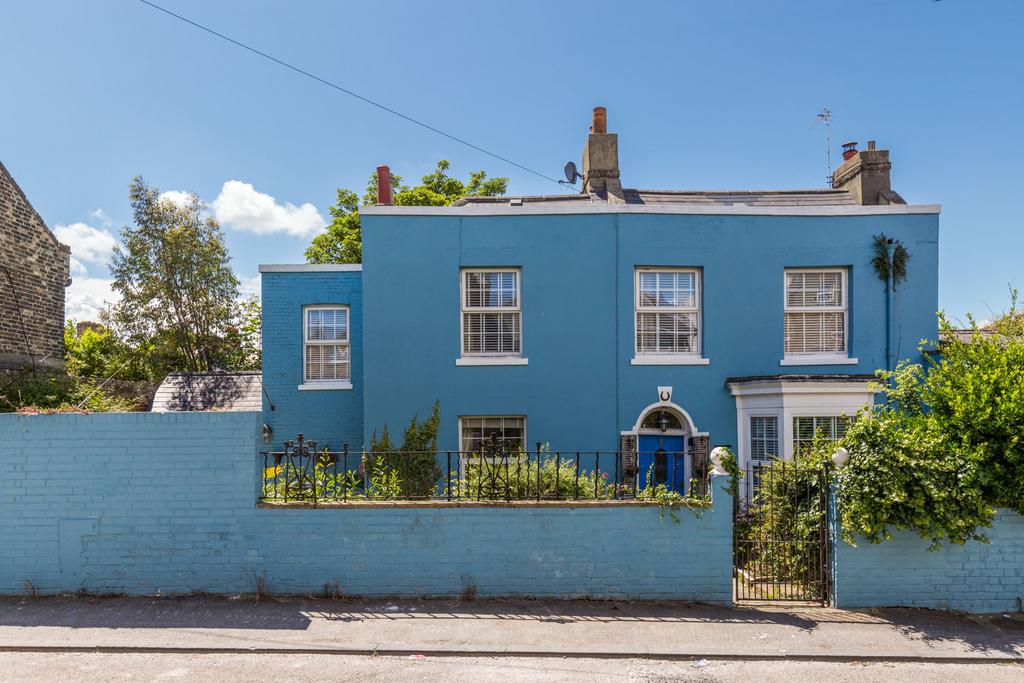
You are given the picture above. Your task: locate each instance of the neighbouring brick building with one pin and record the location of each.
(33, 275)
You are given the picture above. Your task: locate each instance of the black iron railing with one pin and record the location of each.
(781, 534)
(304, 472)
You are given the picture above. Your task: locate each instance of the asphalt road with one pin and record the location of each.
(48, 667)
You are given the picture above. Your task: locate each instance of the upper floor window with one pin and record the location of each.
(816, 312)
(491, 312)
(667, 311)
(326, 344)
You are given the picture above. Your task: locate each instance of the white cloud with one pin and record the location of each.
(177, 196)
(249, 286)
(87, 296)
(88, 244)
(101, 216)
(242, 207)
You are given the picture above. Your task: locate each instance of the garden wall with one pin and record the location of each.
(145, 503)
(975, 577)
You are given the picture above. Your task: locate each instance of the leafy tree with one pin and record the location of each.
(946, 445)
(98, 353)
(243, 340)
(415, 462)
(342, 242)
(176, 285)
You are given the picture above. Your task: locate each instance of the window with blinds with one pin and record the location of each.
(830, 427)
(326, 344)
(667, 311)
(764, 438)
(509, 431)
(815, 312)
(491, 312)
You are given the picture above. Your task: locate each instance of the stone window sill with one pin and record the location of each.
(326, 386)
(670, 359)
(818, 360)
(490, 360)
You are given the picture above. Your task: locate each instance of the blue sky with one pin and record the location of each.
(704, 95)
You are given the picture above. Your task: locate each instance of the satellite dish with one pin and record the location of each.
(571, 174)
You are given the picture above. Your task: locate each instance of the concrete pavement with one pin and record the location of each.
(522, 628)
(82, 666)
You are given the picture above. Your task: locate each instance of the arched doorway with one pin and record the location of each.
(662, 432)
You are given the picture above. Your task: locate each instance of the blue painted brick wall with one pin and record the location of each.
(330, 417)
(975, 577)
(144, 503)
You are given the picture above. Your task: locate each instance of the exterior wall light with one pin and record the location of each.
(266, 431)
(663, 422)
(841, 457)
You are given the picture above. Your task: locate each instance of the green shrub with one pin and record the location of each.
(413, 467)
(945, 445)
(54, 391)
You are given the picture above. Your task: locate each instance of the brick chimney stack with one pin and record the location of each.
(866, 175)
(601, 160)
(384, 186)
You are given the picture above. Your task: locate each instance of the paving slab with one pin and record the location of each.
(492, 627)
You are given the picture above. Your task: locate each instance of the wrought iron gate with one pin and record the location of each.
(781, 537)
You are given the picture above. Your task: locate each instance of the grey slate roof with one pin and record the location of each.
(689, 197)
(965, 335)
(233, 392)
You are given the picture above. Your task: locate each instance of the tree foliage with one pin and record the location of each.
(414, 463)
(342, 241)
(178, 293)
(947, 444)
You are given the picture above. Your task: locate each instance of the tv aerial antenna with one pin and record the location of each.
(824, 117)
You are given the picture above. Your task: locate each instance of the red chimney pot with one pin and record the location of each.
(600, 120)
(849, 150)
(384, 186)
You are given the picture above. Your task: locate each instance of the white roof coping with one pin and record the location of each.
(311, 267)
(569, 208)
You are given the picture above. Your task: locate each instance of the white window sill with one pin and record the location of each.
(818, 360)
(326, 386)
(491, 360)
(670, 359)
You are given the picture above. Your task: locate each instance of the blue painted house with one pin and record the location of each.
(649, 322)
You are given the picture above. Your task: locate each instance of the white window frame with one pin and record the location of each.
(326, 384)
(464, 453)
(750, 436)
(667, 357)
(820, 415)
(817, 357)
(489, 358)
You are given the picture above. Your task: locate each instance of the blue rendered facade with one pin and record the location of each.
(580, 388)
(331, 416)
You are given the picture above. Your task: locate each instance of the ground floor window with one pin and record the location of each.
(805, 428)
(764, 437)
(476, 430)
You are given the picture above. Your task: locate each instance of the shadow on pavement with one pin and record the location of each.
(977, 634)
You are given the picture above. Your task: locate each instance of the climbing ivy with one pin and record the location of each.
(945, 446)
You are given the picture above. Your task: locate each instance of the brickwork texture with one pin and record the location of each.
(144, 503)
(331, 417)
(38, 267)
(975, 577)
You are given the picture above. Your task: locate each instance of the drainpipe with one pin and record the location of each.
(890, 250)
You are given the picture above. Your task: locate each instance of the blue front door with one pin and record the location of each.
(661, 457)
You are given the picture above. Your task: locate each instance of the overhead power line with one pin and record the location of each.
(351, 93)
